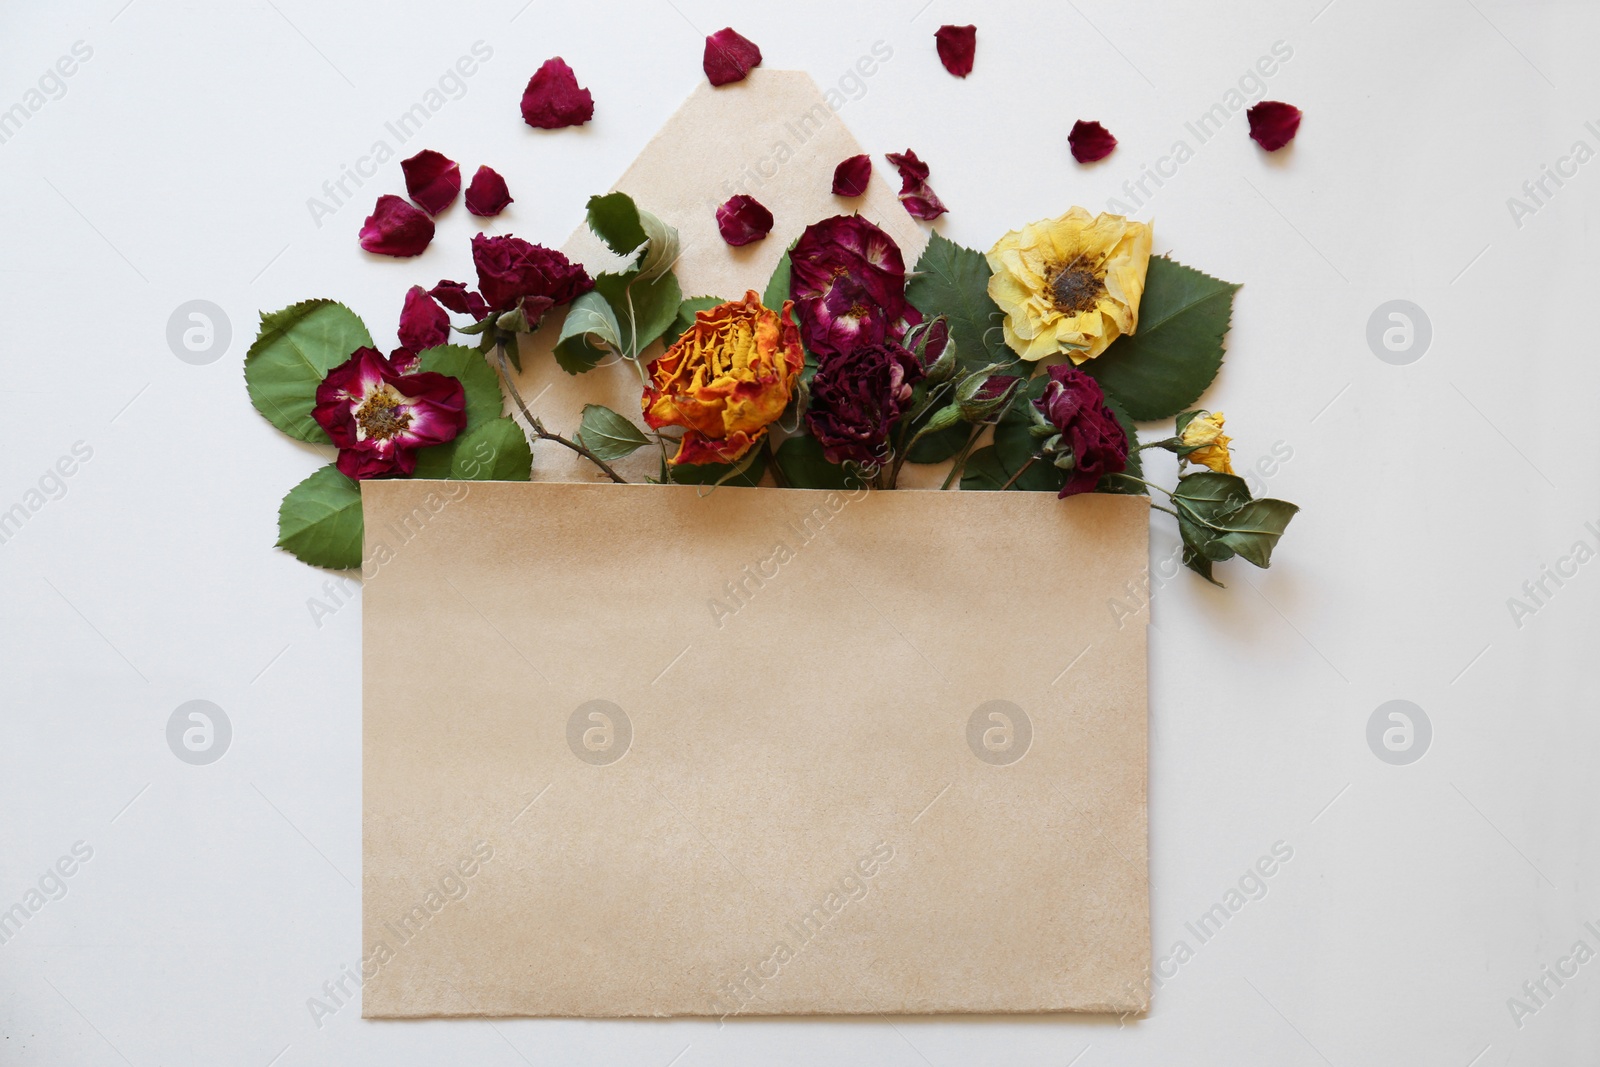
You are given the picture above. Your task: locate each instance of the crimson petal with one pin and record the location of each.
(956, 47)
(395, 228)
(1273, 123)
(432, 180)
(423, 323)
(850, 177)
(729, 57)
(458, 298)
(915, 192)
(487, 195)
(1090, 141)
(743, 220)
(553, 98)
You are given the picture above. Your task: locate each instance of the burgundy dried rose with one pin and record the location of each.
(431, 180)
(1090, 141)
(1075, 405)
(378, 416)
(487, 195)
(743, 220)
(458, 298)
(956, 46)
(553, 98)
(915, 192)
(851, 176)
(729, 57)
(423, 323)
(1273, 123)
(856, 397)
(848, 280)
(512, 270)
(395, 228)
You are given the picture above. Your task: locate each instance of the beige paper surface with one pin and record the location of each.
(634, 750)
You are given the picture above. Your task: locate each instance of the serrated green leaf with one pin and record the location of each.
(477, 378)
(294, 350)
(1253, 530)
(940, 445)
(589, 322)
(496, 451)
(655, 305)
(777, 290)
(662, 253)
(1174, 355)
(954, 281)
(686, 315)
(614, 218)
(803, 466)
(320, 522)
(983, 472)
(1202, 500)
(609, 435)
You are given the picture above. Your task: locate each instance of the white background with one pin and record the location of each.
(178, 164)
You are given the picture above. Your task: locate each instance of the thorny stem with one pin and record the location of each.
(538, 427)
(1012, 480)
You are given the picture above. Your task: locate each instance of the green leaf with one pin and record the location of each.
(940, 445)
(655, 306)
(777, 290)
(477, 378)
(319, 520)
(803, 466)
(1163, 367)
(1203, 500)
(293, 352)
(954, 281)
(614, 218)
(496, 451)
(662, 253)
(686, 313)
(720, 473)
(1254, 529)
(589, 322)
(609, 435)
(1015, 444)
(983, 472)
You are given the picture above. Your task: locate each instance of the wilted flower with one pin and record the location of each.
(743, 220)
(1208, 444)
(395, 228)
(511, 270)
(725, 380)
(1089, 442)
(1070, 284)
(848, 282)
(378, 416)
(431, 180)
(857, 396)
(553, 98)
(487, 195)
(729, 57)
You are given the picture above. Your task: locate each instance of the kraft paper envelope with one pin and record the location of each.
(643, 750)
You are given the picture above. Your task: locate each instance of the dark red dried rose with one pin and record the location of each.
(743, 220)
(423, 323)
(856, 396)
(487, 195)
(915, 192)
(956, 46)
(378, 415)
(1075, 405)
(553, 98)
(458, 298)
(1090, 141)
(395, 228)
(1273, 123)
(510, 269)
(850, 177)
(432, 180)
(847, 280)
(729, 57)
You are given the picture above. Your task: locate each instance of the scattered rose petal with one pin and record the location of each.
(1273, 123)
(458, 298)
(432, 180)
(956, 47)
(423, 323)
(915, 193)
(395, 228)
(553, 98)
(1090, 141)
(487, 195)
(743, 220)
(850, 177)
(729, 57)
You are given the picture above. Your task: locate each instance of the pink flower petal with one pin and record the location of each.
(1090, 141)
(395, 228)
(458, 298)
(553, 98)
(850, 177)
(487, 195)
(915, 193)
(729, 57)
(432, 180)
(743, 220)
(423, 323)
(956, 47)
(1273, 123)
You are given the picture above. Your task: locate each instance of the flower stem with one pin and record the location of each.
(1169, 511)
(538, 427)
(1012, 480)
(960, 461)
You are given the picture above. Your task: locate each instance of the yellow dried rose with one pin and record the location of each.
(726, 379)
(1204, 435)
(1070, 285)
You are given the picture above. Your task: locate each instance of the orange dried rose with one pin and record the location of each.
(726, 379)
